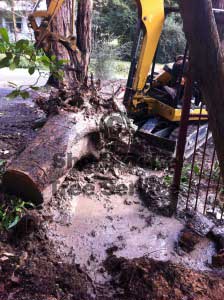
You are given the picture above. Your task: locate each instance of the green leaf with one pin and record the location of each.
(16, 60)
(9, 55)
(24, 94)
(4, 62)
(53, 57)
(45, 60)
(31, 70)
(196, 170)
(22, 44)
(13, 223)
(33, 57)
(12, 66)
(13, 94)
(2, 162)
(12, 84)
(4, 35)
(35, 88)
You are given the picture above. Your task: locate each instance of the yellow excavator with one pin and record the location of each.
(153, 100)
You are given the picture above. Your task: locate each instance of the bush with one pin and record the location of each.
(106, 62)
(102, 55)
(172, 41)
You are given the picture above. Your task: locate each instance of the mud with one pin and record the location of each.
(97, 239)
(92, 224)
(30, 269)
(18, 118)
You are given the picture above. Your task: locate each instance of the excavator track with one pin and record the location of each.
(193, 138)
(166, 138)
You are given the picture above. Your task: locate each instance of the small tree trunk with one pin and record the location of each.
(14, 20)
(84, 33)
(63, 25)
(208, 64)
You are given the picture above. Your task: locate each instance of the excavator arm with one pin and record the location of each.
(150, 24)
(152, 18)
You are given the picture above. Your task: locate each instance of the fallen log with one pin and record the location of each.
(41, 168)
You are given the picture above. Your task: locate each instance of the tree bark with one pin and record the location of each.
(63, 25)
(41, 168)
(208, 64)
(220, 5)
(84, 33)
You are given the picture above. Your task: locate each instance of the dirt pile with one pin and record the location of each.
(155, 194)
(30, 269)
(146, 279)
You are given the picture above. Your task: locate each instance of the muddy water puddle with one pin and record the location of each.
(122, 225)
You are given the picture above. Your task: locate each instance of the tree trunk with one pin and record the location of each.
(14, 20)
(84, 33)
(220, 4)
(42, 167)
(63, 25)
(208, 64)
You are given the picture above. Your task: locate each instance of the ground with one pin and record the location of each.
(106, 244)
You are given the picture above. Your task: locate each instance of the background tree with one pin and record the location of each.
(115, 20)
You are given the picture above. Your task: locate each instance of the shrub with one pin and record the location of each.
(172, 41)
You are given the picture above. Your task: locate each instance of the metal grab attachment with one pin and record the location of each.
(45, 37)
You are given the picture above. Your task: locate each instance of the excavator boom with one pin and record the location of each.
(152, 18)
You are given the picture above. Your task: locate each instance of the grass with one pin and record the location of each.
(24, 64)
(113, 69)
(107, 69)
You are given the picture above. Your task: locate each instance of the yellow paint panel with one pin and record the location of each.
(54, 6)
(153, 17)
(155, 107)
